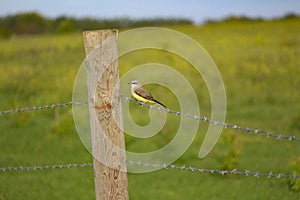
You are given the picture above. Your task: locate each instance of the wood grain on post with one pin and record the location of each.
(107, 135)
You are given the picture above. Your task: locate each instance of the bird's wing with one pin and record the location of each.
(144, 93)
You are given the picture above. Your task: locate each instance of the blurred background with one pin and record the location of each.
(255, 45)
(35, 17)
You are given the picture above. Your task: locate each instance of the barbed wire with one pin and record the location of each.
(219, 123)
(159, 166)
(217, 171)
(35, 168)
(186, 115)
(38, 108)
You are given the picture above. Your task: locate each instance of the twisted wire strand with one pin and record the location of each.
(39, 108)
(158, 166)
(219, 123)
(177, 113)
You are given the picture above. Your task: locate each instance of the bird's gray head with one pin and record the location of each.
(134, 83)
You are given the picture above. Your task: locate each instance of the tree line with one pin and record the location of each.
(35, 23)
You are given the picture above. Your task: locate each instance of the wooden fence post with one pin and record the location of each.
(108, 146)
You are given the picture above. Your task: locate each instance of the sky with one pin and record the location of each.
(196, 10)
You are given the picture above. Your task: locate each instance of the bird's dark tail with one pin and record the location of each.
(160, 103)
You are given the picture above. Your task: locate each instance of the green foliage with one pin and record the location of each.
(295, 123)
(66, 25)
(35, 23)
(232, 151)
(23, 23)
(294, 184)
(259, 63)
(63, 124)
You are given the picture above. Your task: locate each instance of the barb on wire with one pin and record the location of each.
(36, 108)
(216, 171)
(159, 166)
(205, 119)
(35, 168)
(195, 117)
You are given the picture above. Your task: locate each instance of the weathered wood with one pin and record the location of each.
(107, 135)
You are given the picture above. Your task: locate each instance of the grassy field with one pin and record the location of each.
(260, 66)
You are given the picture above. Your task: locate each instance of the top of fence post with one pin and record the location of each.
(107, 136)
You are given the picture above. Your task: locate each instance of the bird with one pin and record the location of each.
(140, 94)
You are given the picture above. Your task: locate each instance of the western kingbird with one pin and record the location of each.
(140, 94)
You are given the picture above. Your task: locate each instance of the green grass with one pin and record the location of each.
(259, 63)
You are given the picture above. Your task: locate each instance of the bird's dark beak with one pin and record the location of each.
(129, 83)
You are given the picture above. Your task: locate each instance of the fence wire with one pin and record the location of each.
(205, 119)
(35, 168)
(38, 108)
(159, 166)
(186, 115)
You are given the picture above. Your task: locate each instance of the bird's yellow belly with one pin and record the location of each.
(139, 98)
